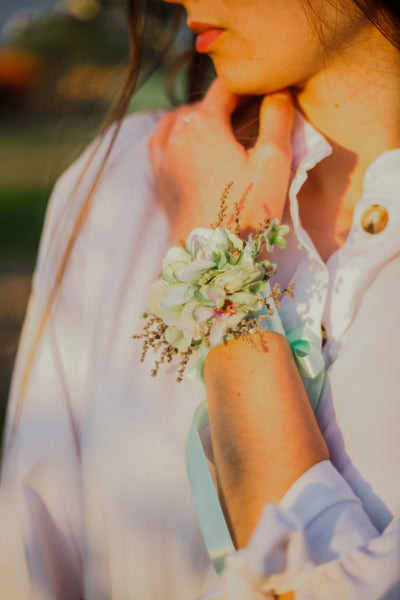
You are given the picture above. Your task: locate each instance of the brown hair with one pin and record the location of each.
(385, 15)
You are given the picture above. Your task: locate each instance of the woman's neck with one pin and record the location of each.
(355, 103)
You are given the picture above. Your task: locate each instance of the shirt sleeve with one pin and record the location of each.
(318, 542)
(40, 495)
(42, 546)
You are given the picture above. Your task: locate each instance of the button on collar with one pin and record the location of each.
(375, 219)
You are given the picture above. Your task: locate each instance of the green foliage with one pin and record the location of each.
(21, 217)
(67, 35)
(63, 38)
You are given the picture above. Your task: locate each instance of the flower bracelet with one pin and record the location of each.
(213, 289)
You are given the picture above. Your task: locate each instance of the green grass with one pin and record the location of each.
(33, 154)
(21, 218)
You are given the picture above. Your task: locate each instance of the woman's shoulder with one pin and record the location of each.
(133, 133)
(113, 168)
(129, 136)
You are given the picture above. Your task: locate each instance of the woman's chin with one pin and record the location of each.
(239, 84)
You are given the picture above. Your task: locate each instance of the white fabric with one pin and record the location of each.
(94, 491)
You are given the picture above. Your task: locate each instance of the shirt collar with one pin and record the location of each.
(381, 183)
(383, 175)
(308, 145)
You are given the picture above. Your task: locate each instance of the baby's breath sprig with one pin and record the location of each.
(246, 328)
(277, 293)
(153, 337)
(263, 227)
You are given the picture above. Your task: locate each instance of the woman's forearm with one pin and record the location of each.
(263, 430)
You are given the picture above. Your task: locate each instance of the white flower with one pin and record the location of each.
(197, 243)
(176, 254)
(203, 242)
(223, 321)
(190, 273)
(236, 277)
(188, 323)
(177, 339)
(171, 314)
(178, 293)
(155, 296)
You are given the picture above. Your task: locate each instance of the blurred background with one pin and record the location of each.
(61, 65)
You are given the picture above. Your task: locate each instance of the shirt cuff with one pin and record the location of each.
(318, 519)
(332, 516)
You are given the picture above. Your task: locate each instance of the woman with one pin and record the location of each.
(94, 463)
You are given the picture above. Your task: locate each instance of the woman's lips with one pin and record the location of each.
(205, 39)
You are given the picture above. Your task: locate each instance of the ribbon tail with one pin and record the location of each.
(309, 361)
(209, 512)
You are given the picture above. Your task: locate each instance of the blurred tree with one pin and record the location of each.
(74, 31)
(84, 48)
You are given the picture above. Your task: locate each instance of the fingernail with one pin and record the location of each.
(281, 95)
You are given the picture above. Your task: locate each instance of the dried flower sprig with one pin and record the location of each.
(223, 207)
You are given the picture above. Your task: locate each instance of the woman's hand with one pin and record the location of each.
(195, 155)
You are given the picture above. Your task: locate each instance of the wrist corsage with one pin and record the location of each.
(214, 288)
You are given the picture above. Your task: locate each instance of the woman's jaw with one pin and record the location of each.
(260, 46)
(331, 60)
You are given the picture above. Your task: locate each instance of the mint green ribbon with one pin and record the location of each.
(310, 363)
(209, 512)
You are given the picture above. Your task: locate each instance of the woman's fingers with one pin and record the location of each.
(276, 121)
(271, 155)
(195, 156)
(220, 103)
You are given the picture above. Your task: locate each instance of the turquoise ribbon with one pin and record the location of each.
(209, 512)
(310, 363)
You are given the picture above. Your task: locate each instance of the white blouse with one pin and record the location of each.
(94, 498)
